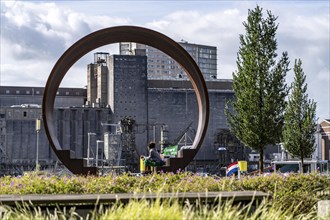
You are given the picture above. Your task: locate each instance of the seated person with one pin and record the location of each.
(154, 159)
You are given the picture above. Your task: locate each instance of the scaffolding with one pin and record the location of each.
(120, 148)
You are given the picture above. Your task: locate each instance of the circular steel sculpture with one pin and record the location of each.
(115, 35)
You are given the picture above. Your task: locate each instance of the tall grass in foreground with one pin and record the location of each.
(168, 209)
(287, 190)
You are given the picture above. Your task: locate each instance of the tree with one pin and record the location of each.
(259, 85)
(299, 119)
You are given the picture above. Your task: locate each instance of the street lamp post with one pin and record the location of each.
(38, 125)
(88, 146)
(97, 151)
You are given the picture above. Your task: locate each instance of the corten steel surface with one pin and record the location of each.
(116, 35)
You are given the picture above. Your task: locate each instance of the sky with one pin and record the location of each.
(34, 34)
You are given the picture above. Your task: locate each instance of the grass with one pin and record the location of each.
(288, 192)
(166, 210)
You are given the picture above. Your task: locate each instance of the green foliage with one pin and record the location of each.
(259, 85)
(167, 209)
(288, 190)
(300, 120)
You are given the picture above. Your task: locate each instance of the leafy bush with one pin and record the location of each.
(289, 190)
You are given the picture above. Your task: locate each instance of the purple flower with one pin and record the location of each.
(12, 184)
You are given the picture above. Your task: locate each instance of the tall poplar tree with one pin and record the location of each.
(259, 84)
(300, 120)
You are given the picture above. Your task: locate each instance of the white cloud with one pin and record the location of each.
(35, 34)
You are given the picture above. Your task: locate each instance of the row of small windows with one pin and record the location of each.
(208, 56)
(125, 59)
(206, 50)
(163, 71)
(129, 116)
(25, 114)
(164, 61)
(28, 92)
(163, 66)
(130, 102)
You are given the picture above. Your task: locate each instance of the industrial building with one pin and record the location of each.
(162, 66)
(122, 109)
(18, 136)
(154, 105)
(324, 137)
(121, 83)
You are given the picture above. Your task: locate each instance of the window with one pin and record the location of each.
(17, 91)
(27, 92)
(24, 114)
(67, 93)
(7, 91)
(37, 92)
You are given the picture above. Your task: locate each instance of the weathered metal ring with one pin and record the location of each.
(115, 35)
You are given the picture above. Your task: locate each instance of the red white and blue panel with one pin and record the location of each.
(232, 168)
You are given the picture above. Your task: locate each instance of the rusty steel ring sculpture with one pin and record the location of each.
(115, 35)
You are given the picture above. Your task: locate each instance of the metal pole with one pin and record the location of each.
(88, 146)
(154, 127)
(97, 152)
(38, 123)
(37, 151)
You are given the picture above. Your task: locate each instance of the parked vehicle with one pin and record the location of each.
(295, 166)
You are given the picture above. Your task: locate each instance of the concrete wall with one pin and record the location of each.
(325, 139)
(150, 103)
(72, 125)
(178, 107)
(66, 97)
(128, 92)
(91, 83)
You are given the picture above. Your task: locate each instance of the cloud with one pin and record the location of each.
(218, 28)
(303, 35)
(35, 34)
(45, 30)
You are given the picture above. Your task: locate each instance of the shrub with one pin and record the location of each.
(285, 189)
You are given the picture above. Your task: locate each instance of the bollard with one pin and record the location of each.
(323, 209)
(142, 167)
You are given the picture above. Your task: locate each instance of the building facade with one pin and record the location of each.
(324, 135)
(162, 66)
(118, 88)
